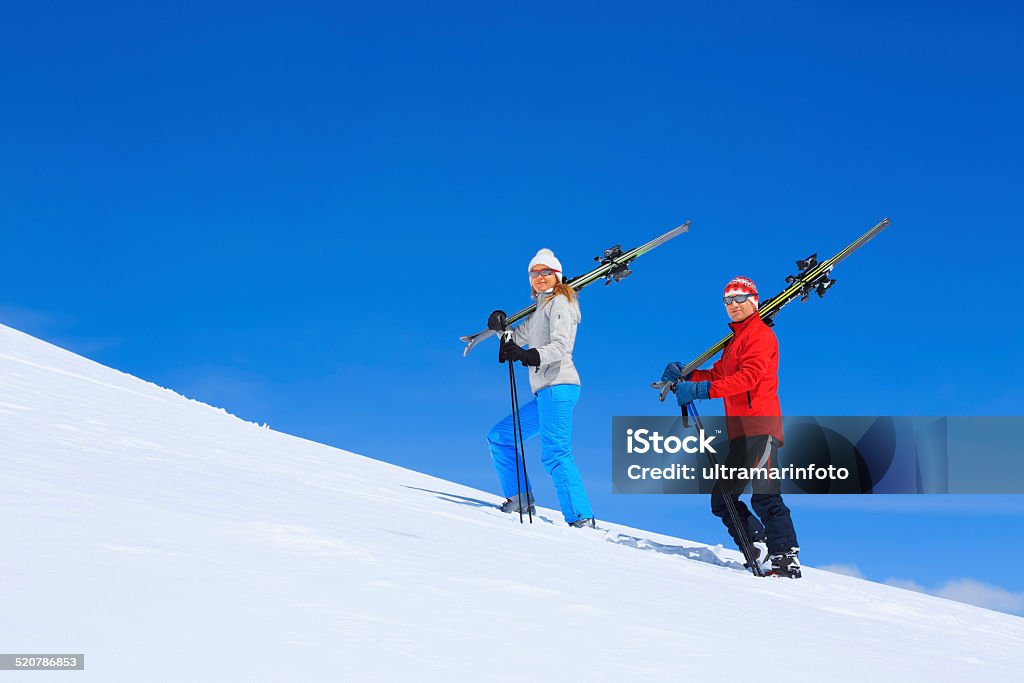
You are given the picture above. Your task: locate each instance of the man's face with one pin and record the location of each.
(739, 312)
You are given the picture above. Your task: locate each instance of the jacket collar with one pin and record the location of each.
(744, 324)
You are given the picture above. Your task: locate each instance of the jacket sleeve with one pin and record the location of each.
(713, 373)
(754, 364)
(560, 322)
(521, 332)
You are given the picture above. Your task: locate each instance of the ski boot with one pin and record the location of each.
(786, 565)
(512, 504)
(584, 523)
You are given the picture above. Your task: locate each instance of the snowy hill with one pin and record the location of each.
(168, 540)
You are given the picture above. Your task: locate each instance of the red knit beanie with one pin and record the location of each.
(742, 285)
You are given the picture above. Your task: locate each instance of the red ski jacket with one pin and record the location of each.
(747, 379)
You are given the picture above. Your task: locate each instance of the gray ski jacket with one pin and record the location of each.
(551, 329)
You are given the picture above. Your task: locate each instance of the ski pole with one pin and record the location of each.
(522, 453)
(517, 439)
(730, 504)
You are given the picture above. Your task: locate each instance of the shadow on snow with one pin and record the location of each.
(697, 553)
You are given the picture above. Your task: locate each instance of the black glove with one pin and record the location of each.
(496, 321)
(510, 351)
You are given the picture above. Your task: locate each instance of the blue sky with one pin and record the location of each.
(293, 212)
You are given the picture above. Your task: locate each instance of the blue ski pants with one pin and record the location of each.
(550, 416)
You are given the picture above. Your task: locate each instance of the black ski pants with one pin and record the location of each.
(773, 522)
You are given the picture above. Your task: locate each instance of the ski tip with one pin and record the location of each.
(474, 339)
(470, 341)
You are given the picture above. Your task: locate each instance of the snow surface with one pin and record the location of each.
(168, 540)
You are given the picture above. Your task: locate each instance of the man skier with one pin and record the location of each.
(746, 379)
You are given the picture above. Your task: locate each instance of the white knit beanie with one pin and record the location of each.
(546, 257)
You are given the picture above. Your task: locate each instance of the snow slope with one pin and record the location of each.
(168, 540)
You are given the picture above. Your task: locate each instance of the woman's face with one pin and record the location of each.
(541, 282)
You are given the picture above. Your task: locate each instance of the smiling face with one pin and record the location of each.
(740, 298)
(739, 312)
(542, 283)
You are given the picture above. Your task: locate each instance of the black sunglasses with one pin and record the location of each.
(739, 298)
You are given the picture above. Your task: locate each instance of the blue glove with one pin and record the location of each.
(687, 392)
(672, 371)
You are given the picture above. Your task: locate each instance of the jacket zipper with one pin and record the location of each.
(749, 404)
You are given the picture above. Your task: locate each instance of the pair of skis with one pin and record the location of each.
(812, 278)
(614, 267)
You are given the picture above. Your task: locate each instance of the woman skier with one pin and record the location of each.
(549, 333)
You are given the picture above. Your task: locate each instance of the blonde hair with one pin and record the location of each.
(563, 289)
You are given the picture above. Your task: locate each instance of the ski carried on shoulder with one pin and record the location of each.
(813, 277)
(614, 266)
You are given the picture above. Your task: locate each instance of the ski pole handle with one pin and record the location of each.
(664, 389)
